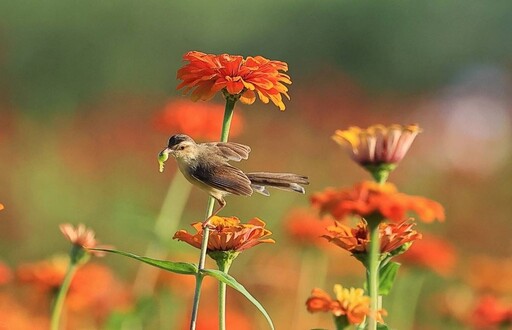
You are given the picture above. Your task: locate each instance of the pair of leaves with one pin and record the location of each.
(188, 268)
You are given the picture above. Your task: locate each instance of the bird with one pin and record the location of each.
(206, 165)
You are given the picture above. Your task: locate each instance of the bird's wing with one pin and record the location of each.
(231, 150)
(225, 178)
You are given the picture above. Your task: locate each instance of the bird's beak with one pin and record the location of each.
(162, 158)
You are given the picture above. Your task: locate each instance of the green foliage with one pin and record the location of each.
(231, 281)
(387, 275)
(185, 268)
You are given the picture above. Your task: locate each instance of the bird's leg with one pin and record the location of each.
(222, 204)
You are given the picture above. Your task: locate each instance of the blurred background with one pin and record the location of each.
(84, 90)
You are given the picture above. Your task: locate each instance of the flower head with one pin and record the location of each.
(367, 198)
(357, 240)
(207, 74)
(377, 144)
(200, 120)
(82, 237)
(228, 234)
(351, 303)
(433, 253)
(1, 206)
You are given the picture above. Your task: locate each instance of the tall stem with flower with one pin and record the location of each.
(82, 239)
(374, 242)
(238, 79)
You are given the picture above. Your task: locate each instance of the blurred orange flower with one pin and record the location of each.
(203, 121)
(377, 144)
(356, 240)
(208, 74)
(490, 312)
(367, 198)
(349, 302)
(46, 275)
(228, 234)
(488, 274)
(305, 227)
(5, 273)
(16, 315)
(81, 236)
(1, 206)
(433, 253)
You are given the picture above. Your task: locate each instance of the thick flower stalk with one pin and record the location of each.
(377, 148)
(203, 76)
(369, 198)
(349, 306)
(82, 240)
(243, 78)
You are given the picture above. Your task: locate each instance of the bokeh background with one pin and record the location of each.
(82, 86)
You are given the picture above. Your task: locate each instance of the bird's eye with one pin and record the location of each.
(182, 147)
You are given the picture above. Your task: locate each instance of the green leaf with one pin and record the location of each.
(381, 326)
(186, 268)
(387, 276)
(232, 282)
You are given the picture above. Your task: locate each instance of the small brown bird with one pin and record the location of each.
(206, 166)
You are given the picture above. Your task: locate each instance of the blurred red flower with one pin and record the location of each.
(305, 227)
(356, 240)
(490, 312)
(433, 253)
(367, 198)
(208, 74)
(203, 121)
(208, 319)
(377, 144)
(228, 234)
(5, 273)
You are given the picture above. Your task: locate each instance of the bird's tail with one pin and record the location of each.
(284, 181)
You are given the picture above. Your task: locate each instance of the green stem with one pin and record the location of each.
(222, 296)
(61, 295)
(167, 222)
(373, 273)
(226, 124)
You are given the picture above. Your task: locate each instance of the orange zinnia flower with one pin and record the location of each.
(228, 234)
(242, 78)
(357, 240)
(351, 303)
(368, 198)
(433, 253)
(200, 120)
(377, 144)
(81, 236)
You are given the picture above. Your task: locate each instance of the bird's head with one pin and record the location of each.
(182, 147)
